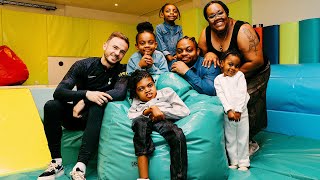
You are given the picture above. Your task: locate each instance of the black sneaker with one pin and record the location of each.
(54, 170)
(77, 175)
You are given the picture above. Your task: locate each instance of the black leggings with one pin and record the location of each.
(57, 113)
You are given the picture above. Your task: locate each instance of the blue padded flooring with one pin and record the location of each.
(282, 157)
(279, 157)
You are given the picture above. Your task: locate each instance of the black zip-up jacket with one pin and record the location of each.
(90, 75)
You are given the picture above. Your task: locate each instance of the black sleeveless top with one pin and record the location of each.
(233, 43)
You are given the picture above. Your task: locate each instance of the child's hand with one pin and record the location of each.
(231, 115)
(149, 60)
(146, 61)
(156, 114)
(237, 116)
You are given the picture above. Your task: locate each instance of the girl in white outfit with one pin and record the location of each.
(231, 89)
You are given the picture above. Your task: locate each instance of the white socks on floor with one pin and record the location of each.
(81, 166)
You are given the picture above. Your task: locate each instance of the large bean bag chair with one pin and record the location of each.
(12, 69)
(203, 129)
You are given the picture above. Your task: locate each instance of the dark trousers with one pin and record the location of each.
(143, 144)
(257, 106)
(57, 114)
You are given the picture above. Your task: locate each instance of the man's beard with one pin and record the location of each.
(112, 57)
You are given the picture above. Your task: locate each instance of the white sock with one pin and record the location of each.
(142, 179)
(58, 160)
(81, 166)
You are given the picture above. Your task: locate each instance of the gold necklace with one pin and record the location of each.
(221, 42)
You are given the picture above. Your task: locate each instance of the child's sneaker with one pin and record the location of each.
(253, 147)
(243, 168)
(233, 166)
(54, 170)
(77, 175)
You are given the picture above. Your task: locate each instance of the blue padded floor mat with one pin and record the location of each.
(282, 157)
(279, 157)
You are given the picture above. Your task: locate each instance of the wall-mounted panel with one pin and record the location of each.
(58, 67)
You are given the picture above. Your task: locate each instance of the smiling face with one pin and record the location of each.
(217, 17)
(187, 51)
(230, 66)
(146, 43)
(114, 50)
(170, 13)
(146, 89)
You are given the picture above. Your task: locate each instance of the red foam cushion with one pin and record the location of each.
(12, 69)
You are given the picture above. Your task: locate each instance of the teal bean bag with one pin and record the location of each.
(203, 129)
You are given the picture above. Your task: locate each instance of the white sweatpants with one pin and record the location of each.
(237, 140)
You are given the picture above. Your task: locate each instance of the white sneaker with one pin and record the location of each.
(77, 175)
(253, 147)
(233, 166)
(53, 171)
(243, 168)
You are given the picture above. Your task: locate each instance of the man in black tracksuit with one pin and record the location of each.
(98, 81)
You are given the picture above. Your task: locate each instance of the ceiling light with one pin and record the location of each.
(116, 4)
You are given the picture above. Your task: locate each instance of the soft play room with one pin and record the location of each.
(41, 40)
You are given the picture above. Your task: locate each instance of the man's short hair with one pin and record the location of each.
(119, 35)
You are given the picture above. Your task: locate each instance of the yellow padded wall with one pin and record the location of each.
(241, 10)
(26, 34)
(23, 142)
(1, 40)
(101, 30)
(99, 33)
(68, 36)
(130, 31)
(193, 22)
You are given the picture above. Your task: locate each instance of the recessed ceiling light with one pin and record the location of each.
(116, 4)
